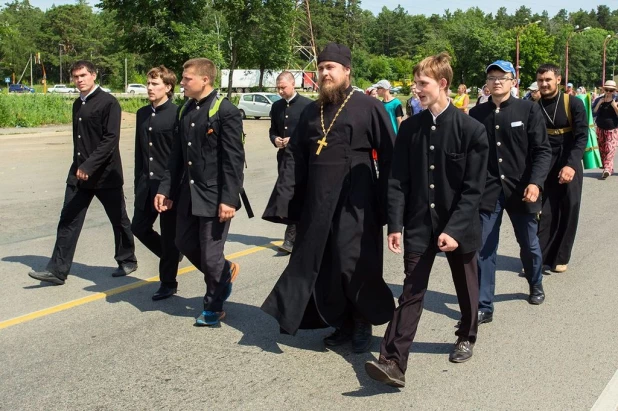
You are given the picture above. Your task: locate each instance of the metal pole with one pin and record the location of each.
(60, 61)
(31, 80)
(125, 75)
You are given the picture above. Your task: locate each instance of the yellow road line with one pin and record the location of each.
(99, 296)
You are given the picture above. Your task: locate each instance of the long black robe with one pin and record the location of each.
(561, 202)
(338, 203)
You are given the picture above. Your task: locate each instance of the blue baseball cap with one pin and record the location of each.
(503, 65)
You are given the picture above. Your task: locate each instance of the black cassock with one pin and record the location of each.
(338, 203)
(561, 202)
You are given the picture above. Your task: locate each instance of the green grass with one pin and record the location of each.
(33, 110)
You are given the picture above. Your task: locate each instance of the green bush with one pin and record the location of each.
(33, 110)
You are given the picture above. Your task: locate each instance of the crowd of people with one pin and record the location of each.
(348, 164)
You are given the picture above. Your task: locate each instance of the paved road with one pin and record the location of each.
(120, 350)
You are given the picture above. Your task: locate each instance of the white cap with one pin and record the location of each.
(533, 87)
(383, 84)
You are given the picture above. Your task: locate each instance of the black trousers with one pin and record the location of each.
(202, 240)
(162, 245)
(76, 203)
(559, 218)
(417, 267)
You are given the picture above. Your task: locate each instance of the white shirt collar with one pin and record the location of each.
(443, 110)
(96, 86)
(292, 98)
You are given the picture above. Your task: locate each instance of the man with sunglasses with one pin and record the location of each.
(519, 159)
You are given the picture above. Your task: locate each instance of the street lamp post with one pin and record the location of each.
(566, 53)
(520, 30)
(607, 40)
(60, 46)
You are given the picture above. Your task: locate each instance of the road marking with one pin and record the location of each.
(608, 401)
(101, 295)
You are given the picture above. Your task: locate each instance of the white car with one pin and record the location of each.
(256, 104)
(61, 88)
(136, 89)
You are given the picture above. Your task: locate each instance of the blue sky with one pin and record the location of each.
(438, 7)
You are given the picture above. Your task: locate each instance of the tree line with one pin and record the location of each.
(261, 34)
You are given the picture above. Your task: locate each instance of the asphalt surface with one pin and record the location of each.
(121, 350)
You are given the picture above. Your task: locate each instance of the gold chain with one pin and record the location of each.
(334, 118)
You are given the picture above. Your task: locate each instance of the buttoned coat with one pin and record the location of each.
(284, 117)
(437, 180)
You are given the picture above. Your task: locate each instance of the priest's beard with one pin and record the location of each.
(331, 93)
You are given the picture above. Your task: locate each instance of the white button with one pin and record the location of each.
(498, 144)
(192, 182)
(150, 144)
(192, 124)
(497, 110)
(433, 127)
(197, 107)
(79, 136)
(80, 119)
(189, 144)
(149, 128)
(190, 163)
(83, 102)
(286, 127)
(502, 176)
(432, 205)
(79, 154)
(150, 158)
(431, 167)
(151, 173)
(499, 160)
(497, 127)
(286, 116)
(153, 114)
(431, 186)
(431, 148)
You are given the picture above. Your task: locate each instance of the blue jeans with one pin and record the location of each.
(525, 227)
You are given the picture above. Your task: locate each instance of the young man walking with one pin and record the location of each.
(154, 135)
(206, 170)
(434, 190)
(96, 171)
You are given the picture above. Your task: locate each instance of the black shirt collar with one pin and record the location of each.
(504, 104)
(208, 98)
(163, 106)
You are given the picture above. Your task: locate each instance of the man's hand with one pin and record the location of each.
(447, 243)
(531, 193)
(285, 142)
(81, 175)
(394, 242)
(162, 203)
(566, 175)
(279, 142)
(226, 212)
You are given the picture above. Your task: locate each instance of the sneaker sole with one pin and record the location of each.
(56, 281)
(459, 361)
(210, 324)
(235, 269)
(379, 375)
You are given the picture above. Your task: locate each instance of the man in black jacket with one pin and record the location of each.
(96, 171)
(154, 134)
(519, 158)
(206, 169)
(435, 187)
(284, 116)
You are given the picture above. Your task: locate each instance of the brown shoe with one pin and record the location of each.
(386, 371)
(559, 268)
(462, 351)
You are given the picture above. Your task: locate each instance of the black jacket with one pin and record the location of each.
(154, 134)
(209, 154)
(437, 180)
(519, 152)
(96, 134)
(284, 117)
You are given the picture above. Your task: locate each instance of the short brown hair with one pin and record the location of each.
(80, 64)
(437, 67)
(166, 75)
(203, 67)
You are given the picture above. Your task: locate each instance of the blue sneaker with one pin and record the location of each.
(209, 318)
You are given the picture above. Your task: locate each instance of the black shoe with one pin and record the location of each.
(164, 292)
(46, 276)
(361, 337)
(537, 295)
(123, 270)
(485, 317)
(286, 247)
(462, 351)
(339, 337)
(180, 258)
(386, 371)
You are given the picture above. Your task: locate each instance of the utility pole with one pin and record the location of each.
(125, 75)
(31, 78)
(303, 44)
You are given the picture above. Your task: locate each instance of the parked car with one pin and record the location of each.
(136, 89)
(61, 88)
(20, 88)
(395, 90)
(256, 104)
(105, 89)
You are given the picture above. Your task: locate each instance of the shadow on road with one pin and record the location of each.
(251, 240)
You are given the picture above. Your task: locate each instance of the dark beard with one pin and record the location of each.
(332, 95)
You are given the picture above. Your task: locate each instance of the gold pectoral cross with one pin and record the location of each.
(321, 143)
